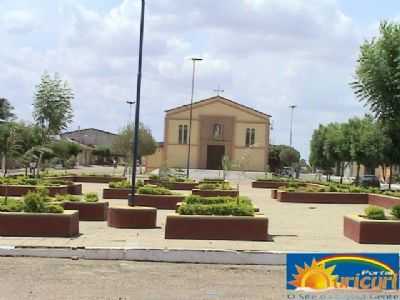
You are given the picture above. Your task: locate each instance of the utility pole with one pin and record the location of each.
(131, 198)
(292, 107)
(130, 110)
(194, 60)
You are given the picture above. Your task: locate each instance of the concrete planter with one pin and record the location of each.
(89, 179)
(365, 231)
(215, 193)
(88, 211)
(383, 200)
(22, 190)
(75, 189)
(237, 228)
(158, 201)
(274, 194)
(323, 198)
(132, 217)
(268, 184)
(116, 193)
(39, 224)
(177, 186)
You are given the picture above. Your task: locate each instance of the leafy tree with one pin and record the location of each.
(8, 142)
(64, 150)
(289, 156)
(377, 82)
(318, 157)
(282, 156)
(52, 105)
(103, 153)
(123, 143)
(6, 109)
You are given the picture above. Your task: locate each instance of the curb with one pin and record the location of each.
(150, 255)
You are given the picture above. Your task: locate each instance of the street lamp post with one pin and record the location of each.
(194, 60)
(292, 107)
(131, 198)
(130, 110)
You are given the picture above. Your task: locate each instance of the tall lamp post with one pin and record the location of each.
(130, 110)
(131, 198)
(292, 107)
(194, 60)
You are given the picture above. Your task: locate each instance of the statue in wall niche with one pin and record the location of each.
(217, 131)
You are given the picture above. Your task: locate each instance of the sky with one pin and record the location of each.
(267, 54)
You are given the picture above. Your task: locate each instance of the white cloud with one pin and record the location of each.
(266, 54)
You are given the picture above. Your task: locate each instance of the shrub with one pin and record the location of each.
(54, 209)
(208, 186)
(11, 205)
(34, 202)
(224, 209)
(124, 184)
(355, 189)
(139, 183)
(154, 190)
(290, 189)
(91, 197)
(67, 198)
(190, 200)
(396, 211)
(154, 177)
(375, 213)
(332, 188)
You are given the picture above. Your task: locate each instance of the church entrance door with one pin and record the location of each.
(215, 153)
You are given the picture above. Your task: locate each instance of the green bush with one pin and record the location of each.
(67, 198)
(208, 186)
(213, 179)
(190, 200)
(54, 209)
(396, 211)
(291, 189)
(125, 184)
(332, 188)
(139, 183)
(375, 213)
(154, 177)
(224, 209)
(11, 205)
(34, 202)
(154, 190)
(91, 197)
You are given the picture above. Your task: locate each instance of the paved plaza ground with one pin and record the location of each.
(37, 278)
(293, 227)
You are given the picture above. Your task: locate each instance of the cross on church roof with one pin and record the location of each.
(219, 91)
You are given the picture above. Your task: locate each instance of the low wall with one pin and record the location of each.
(177, 186)
(268, 184)
(109, 193)
(22, 190)
(40, 224)
(237, 228)
(132, 217)
(323, 198)
(364, 231)
(88, 211)
(215, 193)
(383, 200)
(90, 179)
(158, 201)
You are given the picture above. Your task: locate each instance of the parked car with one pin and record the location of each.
(369, 181)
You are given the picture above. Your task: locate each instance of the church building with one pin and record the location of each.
(220, 127)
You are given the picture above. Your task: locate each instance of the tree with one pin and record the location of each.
(64, 150)
(282, 156)
(103, 154)
(6, 109)
(318, 157)
(123, 143)
(52, 105)
(377, 81)
(8, 142)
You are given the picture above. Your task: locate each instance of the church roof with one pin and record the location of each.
(221, 99)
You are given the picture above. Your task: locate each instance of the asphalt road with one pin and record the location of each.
(40, 278)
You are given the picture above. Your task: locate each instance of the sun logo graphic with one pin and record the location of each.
(343, 271)
(315, 276)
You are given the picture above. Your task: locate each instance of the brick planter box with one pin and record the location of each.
(365, 231)
(22, 190)
(215, 193)
(177, 186)
(158, 201)
(323, 198)
(274, 194)
(88, 211)
(383, 200)
(39, 224)
(116, 193)
(132, 217)
(268, 184)
(89, 179)
(237, 228)
(75, 189)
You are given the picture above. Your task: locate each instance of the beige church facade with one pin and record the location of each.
(220, 127)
